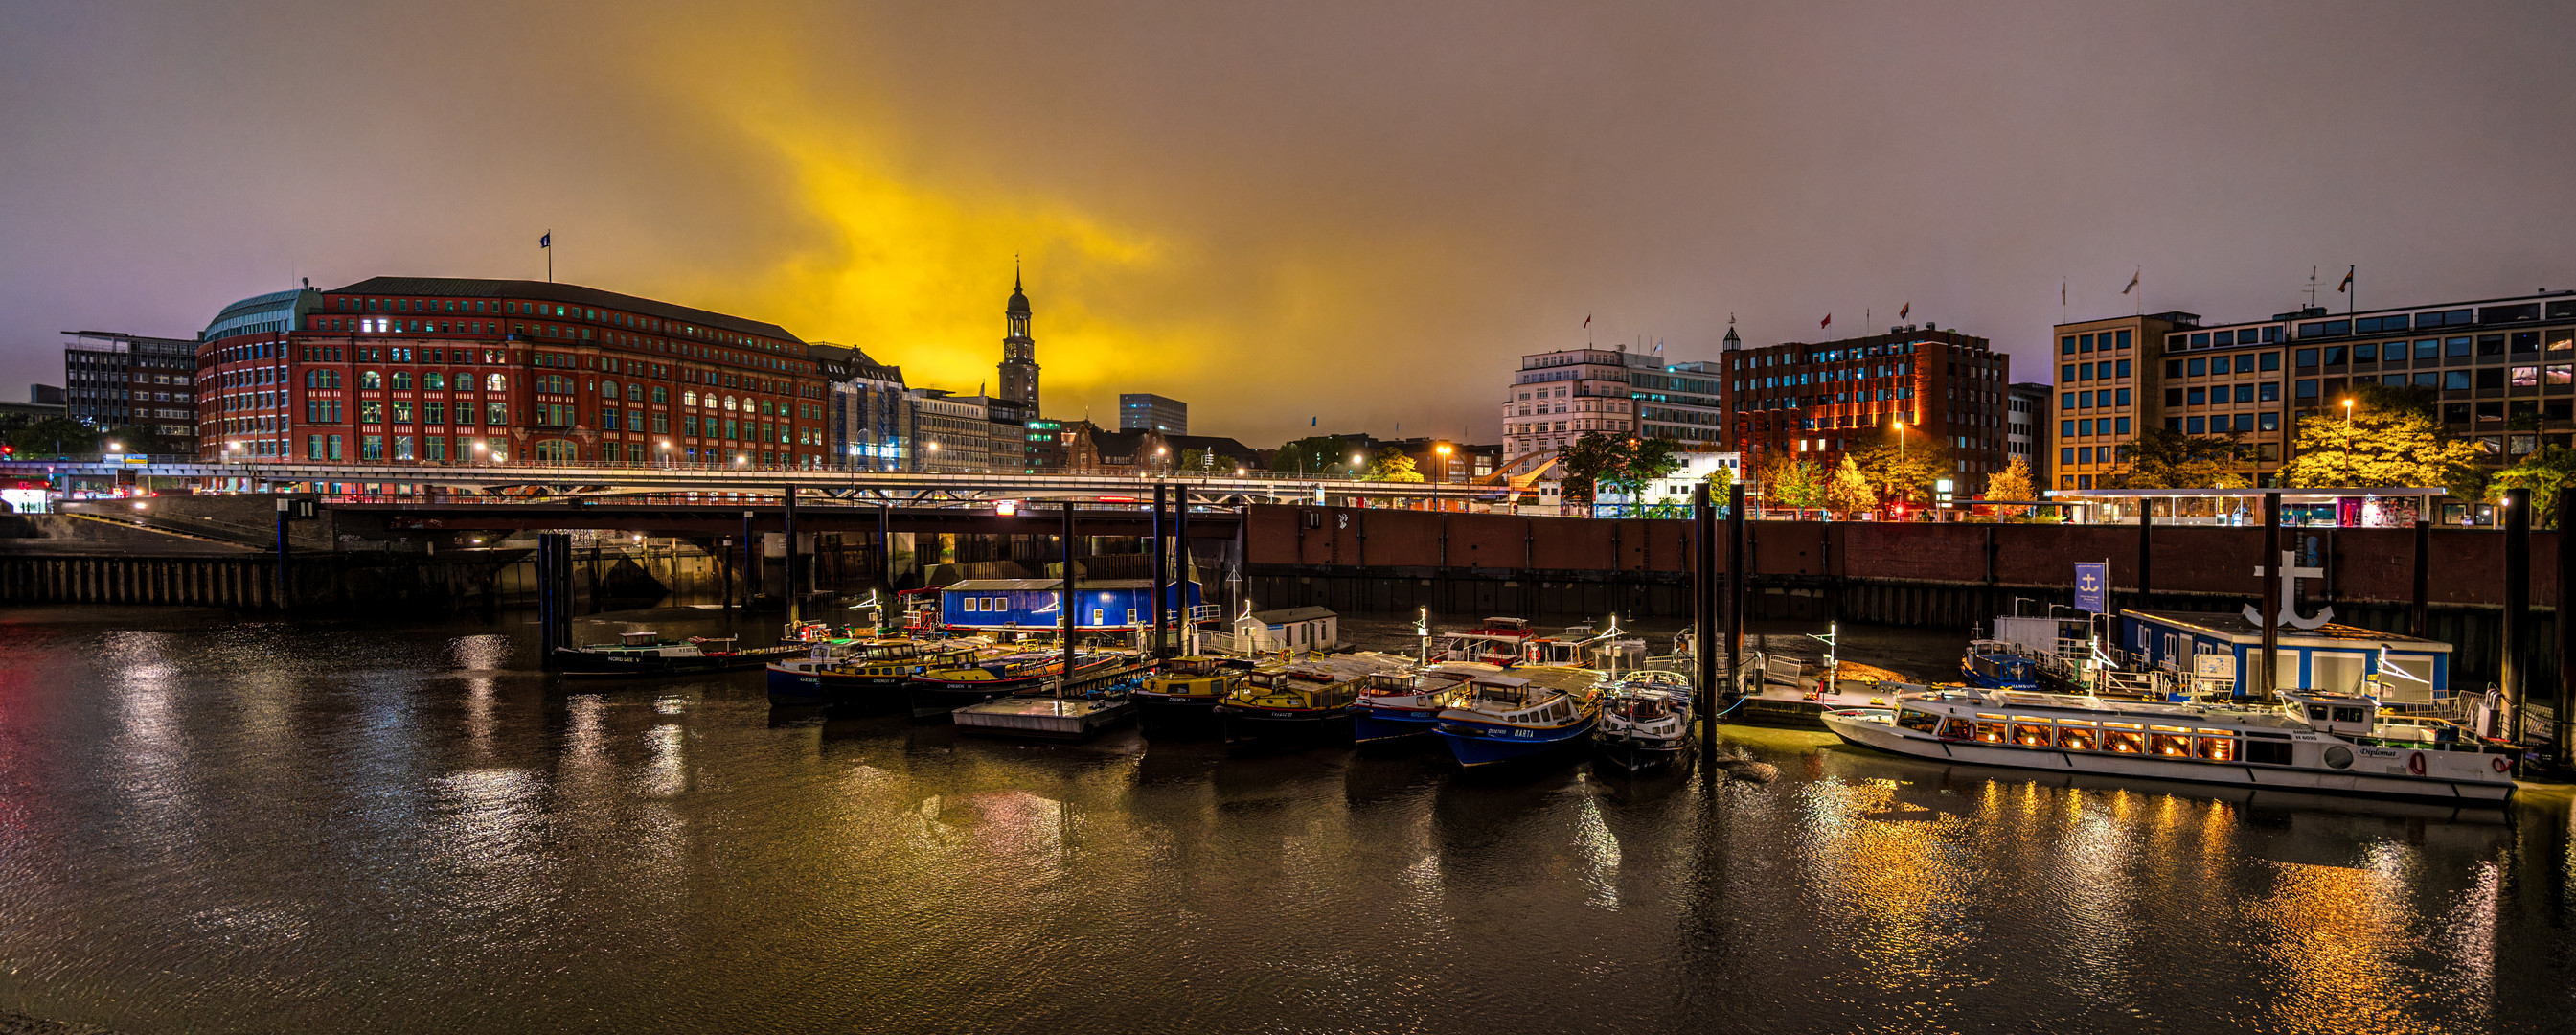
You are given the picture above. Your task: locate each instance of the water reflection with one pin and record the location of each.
(367, 821)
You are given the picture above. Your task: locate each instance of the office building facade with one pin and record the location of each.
(118, 380)
(1139, 411)
(2500, 371)
(868, 419)
(1558, 397)
(951, 434)
(2027, 425)
(1815, 401)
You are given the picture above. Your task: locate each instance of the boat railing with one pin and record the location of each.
(2148, 684)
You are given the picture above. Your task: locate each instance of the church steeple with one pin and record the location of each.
(1019, 366)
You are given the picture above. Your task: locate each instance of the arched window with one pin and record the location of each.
(634, 392)
(434, 381)
(495, 383)
(608, 389)
(370, 379)
(729, 402)
(402, 380)
(688, 398)
(557, 451)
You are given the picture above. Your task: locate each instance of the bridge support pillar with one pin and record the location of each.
(794, 590)
(1154, 542)
(554, 594)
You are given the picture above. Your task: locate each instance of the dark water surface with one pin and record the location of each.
(209, 824)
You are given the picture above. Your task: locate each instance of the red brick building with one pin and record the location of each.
(432, 370)
(1809, 401)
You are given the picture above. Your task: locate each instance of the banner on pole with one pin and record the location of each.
(2092, 586)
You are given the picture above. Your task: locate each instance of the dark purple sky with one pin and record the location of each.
(1359, 212)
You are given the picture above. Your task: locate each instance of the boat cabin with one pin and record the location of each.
(1291, 628)
(2222, 653)
(1033, 605)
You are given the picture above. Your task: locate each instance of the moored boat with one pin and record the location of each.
(1645, 721)
(1994, 665)
(864, 673)
(1181, 696)
(2315, 742)
(1393, 706)
(646, 653)
(935, 693)
(1312, 699)
(1520, 714)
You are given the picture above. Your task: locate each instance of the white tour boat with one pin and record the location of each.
(2315, 742)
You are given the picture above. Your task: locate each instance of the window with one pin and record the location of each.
(2428, 379)
(2067, 372)
(2195, 425)
(2083, 400)
(2366, 353)
(2124, 342)
(2173, 396)
(434, 381)
(2526, 377)
(371, 447)
(2558, 373)
(369, 379)
(2083, 454)
(2429, 348)
(2490, 377)
(433, 412)
(2455, 347)
(2307, 358)
(2218, 365)
(371, 412)
(402, 411)
(2196, 396)
(2066, 346)
(2269, 420)
(2072, 737)
(2268, 391)
(2084, 343)
(496, 413)
(2453, 380)
(2124, 425)
(2271, 361)
(495, 383)
(2083, 427)
(2197, 367)
(2173, 368)
(2306, 389)
(2066, 429)
(608, 389)
(2244, 393)
(2124, 364)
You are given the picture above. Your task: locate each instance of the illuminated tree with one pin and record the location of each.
(2545, 472)
(1392, 466)
(2012, 484)
(2391, 438)
(1849, 493)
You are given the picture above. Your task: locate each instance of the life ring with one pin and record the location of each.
(2415, 763)
(2500, 764)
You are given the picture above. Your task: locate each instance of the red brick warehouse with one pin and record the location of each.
(434, 370)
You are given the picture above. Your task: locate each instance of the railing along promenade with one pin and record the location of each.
(517, 481)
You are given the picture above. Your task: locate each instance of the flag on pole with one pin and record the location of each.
(546, 240)
(1904, 309)
(2133, 281)
(2061, 291)
(1587, 319)
(2347, 280)
(1314, 421)
(1829, 321)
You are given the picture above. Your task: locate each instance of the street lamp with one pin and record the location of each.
(1441, 452)
(930, 464)
(2347, 440)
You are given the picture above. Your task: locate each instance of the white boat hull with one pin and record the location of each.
(1897, 740)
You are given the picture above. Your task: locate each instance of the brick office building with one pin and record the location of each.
(119, 380)
(1810, 401)
(434, 370)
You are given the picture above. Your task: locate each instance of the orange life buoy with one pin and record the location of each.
(2415, 763)
(2501, 765)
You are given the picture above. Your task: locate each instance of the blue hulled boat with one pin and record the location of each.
(1396, 705)
(1995, 665)
(1522, 713)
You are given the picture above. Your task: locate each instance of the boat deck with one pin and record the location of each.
(1049, 717)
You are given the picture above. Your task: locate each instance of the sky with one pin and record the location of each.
(1346, 216)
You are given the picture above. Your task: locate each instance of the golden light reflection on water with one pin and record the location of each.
(1895, 880)
(2335, 935)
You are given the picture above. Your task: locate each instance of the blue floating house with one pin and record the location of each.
(1031, 605)
(2216, 649)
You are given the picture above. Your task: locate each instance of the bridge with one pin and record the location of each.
(720, 485)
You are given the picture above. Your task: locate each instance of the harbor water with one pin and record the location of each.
(216, 824)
